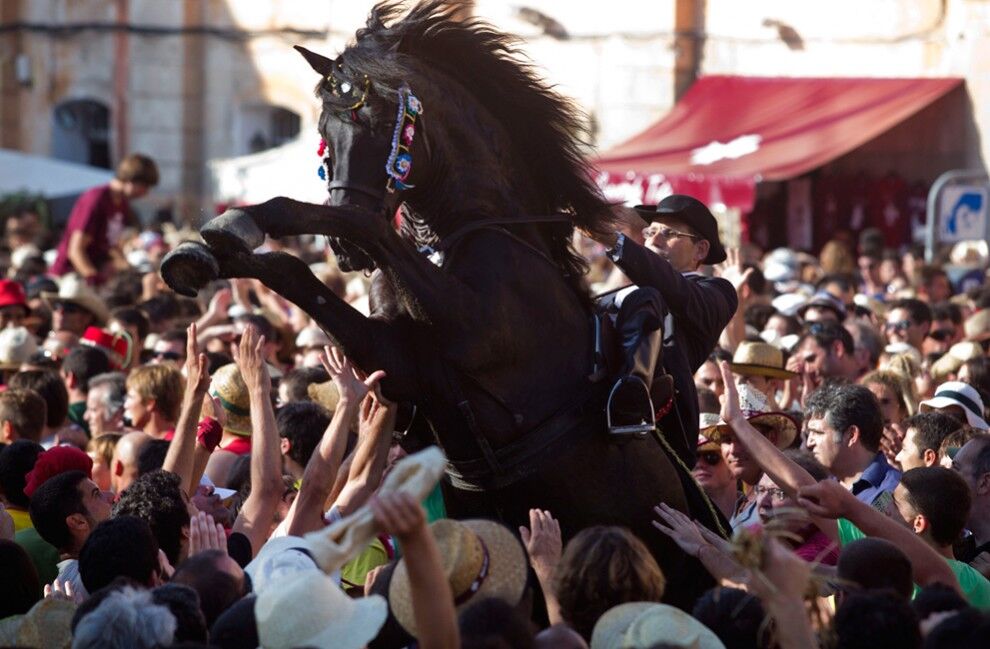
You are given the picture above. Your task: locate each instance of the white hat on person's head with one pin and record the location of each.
(16, 347)
(310, 610)
(312, 337)
(958, 393)
(640, 625)
(73, 288)
(789, 303)
(283, 557)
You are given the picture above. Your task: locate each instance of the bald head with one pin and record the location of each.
(125, 460)
(559, 636)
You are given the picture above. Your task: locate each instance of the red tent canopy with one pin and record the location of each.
(728, 133)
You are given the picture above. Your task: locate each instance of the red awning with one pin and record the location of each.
(728, 133)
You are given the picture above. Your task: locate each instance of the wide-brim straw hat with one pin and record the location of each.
(977, 326)
(229, 387)
(74, 289)
(48, 625)
(16, 347)
(480, 559)
(312, 611)
(756, 408)
(759, 359)
(957, 393)
(641, 625)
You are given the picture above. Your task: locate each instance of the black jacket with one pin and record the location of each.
(701, 307)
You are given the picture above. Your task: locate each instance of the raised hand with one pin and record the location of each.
(730, 400)
(350, 383)
(250, 359)
(196, 367)
(206, 534)
(543, 542)
(62, 590)
(827, 499)
(681, 529)
(398, 514)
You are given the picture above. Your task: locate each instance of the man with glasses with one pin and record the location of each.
(170, 348)
(908, 321)
(672, 321)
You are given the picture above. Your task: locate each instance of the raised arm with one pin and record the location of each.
(432, 600)
(181, 456)
(366, 469)
(829, 499)
(258, 511)
(306, 513)
(786, 473)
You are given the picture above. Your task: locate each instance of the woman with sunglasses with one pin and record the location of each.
(712, 472)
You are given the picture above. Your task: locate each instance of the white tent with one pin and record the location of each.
(23, 172)
(289, 170)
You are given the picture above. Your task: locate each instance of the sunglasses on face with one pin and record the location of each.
(941, 335)
(167, 356)
(666, 233)
(68, 308)
(711, 458)
(902, 325)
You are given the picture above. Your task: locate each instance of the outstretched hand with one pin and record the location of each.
(827, 499)
(350, 383)
(730, 400)
(206, 534)
(196, 367)
(250, 359)
(399, 514)
(681, 529)
(543, 542)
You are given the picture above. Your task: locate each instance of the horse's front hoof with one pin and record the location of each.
(233, 231)
(189, 267)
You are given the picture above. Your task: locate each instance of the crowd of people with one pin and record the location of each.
(168, 465)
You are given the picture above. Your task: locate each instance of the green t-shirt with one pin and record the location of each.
(43, 555)
(76, 412)
(975, 586)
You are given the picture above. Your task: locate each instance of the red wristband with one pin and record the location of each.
(209, 433)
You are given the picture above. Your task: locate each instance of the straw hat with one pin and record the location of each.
(640, 625)
(977, 326)
(756, 408)
(759, 359)
(707, 421)
(312, 611)
(480, 558)
(16, 346)
(228, 386)
(954, 359)
(325, 394)
(48, 625)
(73, 289)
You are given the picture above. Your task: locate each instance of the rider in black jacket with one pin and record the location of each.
(671, 320)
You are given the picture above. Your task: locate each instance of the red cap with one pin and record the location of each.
(55, 461)
(116, 345)
(12, 294)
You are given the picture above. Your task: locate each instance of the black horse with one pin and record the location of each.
(480, 314)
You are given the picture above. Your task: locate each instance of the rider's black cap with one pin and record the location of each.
(693, 213)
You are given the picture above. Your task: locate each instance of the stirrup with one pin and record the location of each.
(641, 429)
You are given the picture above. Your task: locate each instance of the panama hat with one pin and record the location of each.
(640, 625)
(759, 359)
(16, 347)
(756, 408)
(73, 288)
(312, 611)
(228, 386)
(48, 624)
(957, 393)
(480, 559)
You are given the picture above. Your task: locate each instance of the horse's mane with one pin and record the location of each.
(544, 128)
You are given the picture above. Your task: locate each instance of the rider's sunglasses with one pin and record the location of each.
(941, 335)
(711, 458)
(68, 307)
(666, 233)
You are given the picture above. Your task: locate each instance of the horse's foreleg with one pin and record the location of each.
(370, 343)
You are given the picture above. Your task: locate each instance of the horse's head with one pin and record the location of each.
(369, 133)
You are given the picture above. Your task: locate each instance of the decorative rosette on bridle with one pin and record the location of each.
(399, 163)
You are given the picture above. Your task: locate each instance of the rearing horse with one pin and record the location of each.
(479, 312)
